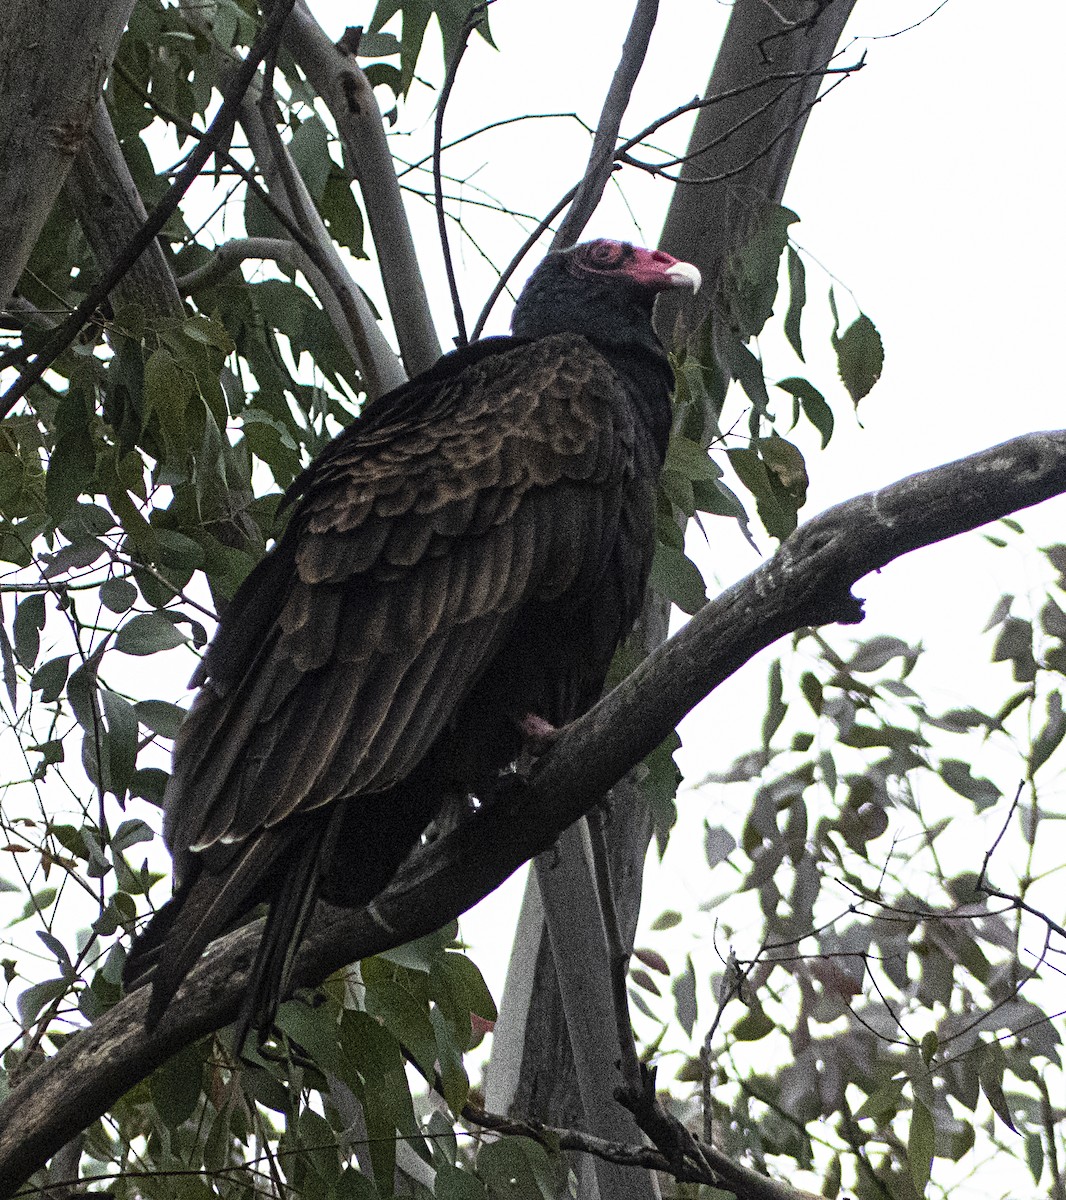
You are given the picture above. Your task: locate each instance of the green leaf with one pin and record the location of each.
(860, 357)
(72, 463)
(959, 777)
(676, 577)
(797, 298)
(517, 1168)
(775, 707)
(883, 1104)
(874, 653)
(342, 214)
(1050, 737)
(751, 273)
(148, 633)
(7, 652)
(1014, 644)
(991, 1065)
(309, 147)
(176, 1086)
(455, 1084)
(160, 716)
(406, 1019)
(921, 1144)
(167, 391)
(813, 403)
(684, 989)
(29, 621)
(51, 678)
(753, 1026)
(121, 741)
(119, 595)
(37, 997)
(666, 920)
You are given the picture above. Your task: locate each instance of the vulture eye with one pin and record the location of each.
(605, 254)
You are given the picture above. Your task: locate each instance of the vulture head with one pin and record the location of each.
(603, 289)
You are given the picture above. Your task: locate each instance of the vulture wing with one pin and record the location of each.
(490, 488)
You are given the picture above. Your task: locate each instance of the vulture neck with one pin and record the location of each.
(645, 370)
(617, 320)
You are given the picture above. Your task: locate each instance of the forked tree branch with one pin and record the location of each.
(807, 582)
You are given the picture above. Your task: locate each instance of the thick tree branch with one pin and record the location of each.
(337, 292)
(807, 582)
(111, 212)
(346, 91)
(54, 58)
(601, 157)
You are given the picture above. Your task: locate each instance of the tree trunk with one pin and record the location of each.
(54, 57)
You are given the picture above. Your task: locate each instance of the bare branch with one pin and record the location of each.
(216, 134)
(346, 91)
(623, 157)
(469, 25)
(807, 582)
(601, 158)
(715, 1170)
(232, 254)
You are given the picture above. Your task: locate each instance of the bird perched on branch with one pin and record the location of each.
(459, 565)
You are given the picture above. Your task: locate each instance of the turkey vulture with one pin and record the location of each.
(465, 556)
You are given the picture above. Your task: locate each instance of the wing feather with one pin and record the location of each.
(406, 563)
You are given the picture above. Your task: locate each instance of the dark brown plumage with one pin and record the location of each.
(469, 552)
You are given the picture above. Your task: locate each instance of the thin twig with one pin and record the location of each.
(469, 25)
(214, 136)
(621, 156)
(598, 171)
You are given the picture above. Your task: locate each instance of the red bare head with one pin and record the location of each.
(653, 269)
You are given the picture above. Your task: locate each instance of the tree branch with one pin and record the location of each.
(110, 211)
(807, 582)
(601, 157)
(337, 292)
(215, 135)
(346, 91)
(469, 25)
(231, 254)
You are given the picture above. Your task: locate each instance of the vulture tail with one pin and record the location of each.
(204, 909)
(291, 908)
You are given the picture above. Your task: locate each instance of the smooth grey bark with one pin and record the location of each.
(347, 93)
(110, 211)
(705, 222)
(340, 296)
(807, 582)
(54, 57)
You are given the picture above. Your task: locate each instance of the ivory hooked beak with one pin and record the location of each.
(683, 274)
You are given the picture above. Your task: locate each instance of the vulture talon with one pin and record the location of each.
(539, 735)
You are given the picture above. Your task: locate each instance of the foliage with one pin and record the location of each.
(882, 1002)
(879, 1019)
